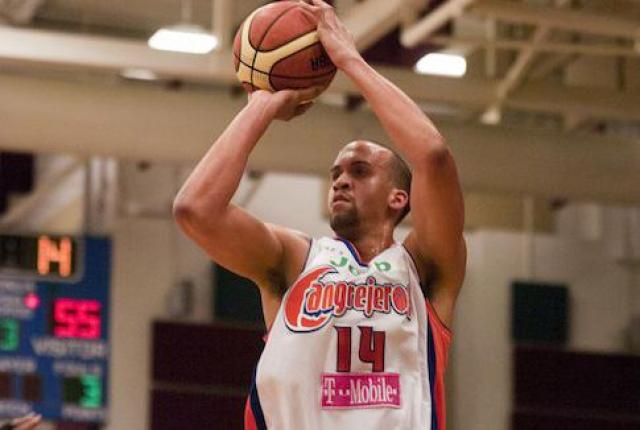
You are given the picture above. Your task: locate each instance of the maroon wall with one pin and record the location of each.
(201, 375)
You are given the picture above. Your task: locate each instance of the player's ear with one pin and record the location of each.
(398, 199)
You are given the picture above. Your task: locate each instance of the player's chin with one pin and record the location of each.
(342, 216)
(338, 211)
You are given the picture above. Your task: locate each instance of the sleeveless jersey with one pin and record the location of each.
(353, 346)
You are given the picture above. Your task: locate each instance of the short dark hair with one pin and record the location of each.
(400, 173)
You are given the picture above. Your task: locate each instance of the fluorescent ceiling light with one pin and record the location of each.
(191, 39)
(442, 64)
(139, 74)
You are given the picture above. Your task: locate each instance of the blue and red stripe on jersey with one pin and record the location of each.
(438, 339)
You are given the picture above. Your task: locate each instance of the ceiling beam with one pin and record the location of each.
(371, 20)
(141, 17)
(595, 103)
(599, 50)
(564, 19)
(26, 49)
(20, 13)
(222, 20)
(65, 51)
(516, 73)
(551, 64)
(535, 96)
(513, 78)
(419, 32)
(149, 123)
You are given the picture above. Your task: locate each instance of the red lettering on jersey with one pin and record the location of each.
(311, 303)
(296, 302)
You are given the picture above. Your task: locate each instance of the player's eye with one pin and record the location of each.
(359, 170)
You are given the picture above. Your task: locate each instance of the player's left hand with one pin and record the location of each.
(287, 104)
(334, 36)
(28, 422)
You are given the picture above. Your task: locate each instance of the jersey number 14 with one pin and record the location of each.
(371, 348)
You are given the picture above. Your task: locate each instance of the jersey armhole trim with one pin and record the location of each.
(432, 311)
(437, 322)
(308, 257)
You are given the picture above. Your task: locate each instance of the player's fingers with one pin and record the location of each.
(314, 10)
(309, 93)
(28, 426)
(18, 421)
(31, 424)
(306, 4)
(321, 4)
(28, 423)
(302, 108)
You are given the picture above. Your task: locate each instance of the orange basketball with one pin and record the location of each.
(277, 48)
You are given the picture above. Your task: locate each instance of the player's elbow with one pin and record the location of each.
(185, 213)
(436, 154)
(195, 218)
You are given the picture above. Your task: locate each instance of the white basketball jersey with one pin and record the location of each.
(353, 346)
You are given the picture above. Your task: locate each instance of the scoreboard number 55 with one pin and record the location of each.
(76, 318)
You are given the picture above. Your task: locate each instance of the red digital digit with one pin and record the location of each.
(89, 319)
(77, 318)
(64, 318)
(372, 344)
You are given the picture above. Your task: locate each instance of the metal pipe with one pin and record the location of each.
(528, 238)
(424, 28)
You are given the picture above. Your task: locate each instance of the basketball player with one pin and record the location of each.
(357, 323)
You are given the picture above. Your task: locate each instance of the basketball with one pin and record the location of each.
(277, 48)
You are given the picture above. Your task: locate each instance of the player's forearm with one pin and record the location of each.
(216, 178)
(409, 128)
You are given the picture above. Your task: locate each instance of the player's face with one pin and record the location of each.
(360, 187)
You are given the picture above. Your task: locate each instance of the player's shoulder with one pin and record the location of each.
(289, 234)
(295, 246)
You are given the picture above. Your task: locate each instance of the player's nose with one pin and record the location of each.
(342, 182)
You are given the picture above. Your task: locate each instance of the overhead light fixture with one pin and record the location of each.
(188, 38)
(442, 65)
(139, 74)
(492, 116)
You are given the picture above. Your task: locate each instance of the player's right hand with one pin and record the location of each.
(287, 104)
(336, 39)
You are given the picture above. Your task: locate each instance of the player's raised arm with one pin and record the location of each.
(436, 197)
(230, 235)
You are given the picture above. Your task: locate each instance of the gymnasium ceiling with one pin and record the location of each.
(554, 66)
(569, 63)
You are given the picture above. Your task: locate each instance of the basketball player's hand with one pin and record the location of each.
(28, 422)
(287, 104)
(334, 36)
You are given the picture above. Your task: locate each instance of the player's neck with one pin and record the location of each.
(373, 242)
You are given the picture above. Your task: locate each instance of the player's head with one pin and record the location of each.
(370, 184)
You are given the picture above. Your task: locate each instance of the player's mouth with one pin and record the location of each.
(340, 198)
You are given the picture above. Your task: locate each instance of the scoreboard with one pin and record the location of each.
(54, 327)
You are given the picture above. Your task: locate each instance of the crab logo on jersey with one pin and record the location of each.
(311, 303)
